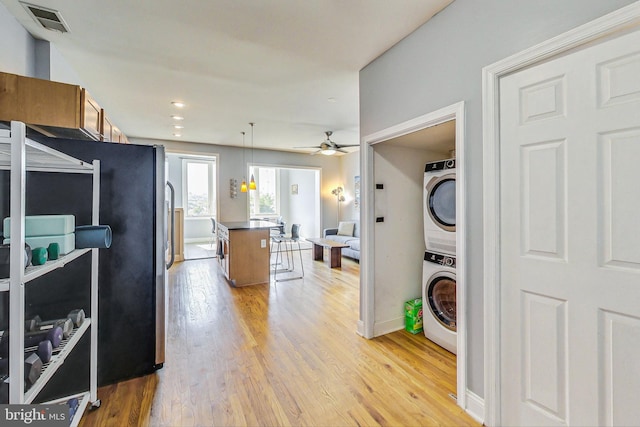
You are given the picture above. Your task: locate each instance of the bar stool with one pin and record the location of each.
(288, 241)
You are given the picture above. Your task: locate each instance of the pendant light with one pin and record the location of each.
(243, 186)
(252, 183)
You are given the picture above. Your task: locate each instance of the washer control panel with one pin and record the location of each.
(436, 258)
(440, 165)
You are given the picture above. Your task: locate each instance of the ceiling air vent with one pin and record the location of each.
(48, 18)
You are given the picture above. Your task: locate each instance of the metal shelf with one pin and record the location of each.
(83, 401)
(33, 272)
(41, 158)
(60, 353)
(20, 155)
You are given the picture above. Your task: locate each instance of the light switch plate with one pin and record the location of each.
(263, 243)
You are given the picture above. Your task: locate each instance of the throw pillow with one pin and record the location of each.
(345, 228)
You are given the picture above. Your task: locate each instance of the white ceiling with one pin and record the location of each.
(290, 66)
(440, 138)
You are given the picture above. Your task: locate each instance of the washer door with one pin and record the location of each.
(441, 292)
(441, 201)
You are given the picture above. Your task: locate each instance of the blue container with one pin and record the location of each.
(93, 236)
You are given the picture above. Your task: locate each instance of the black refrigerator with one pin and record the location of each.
(133, 271)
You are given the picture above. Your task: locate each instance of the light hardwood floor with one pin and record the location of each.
(283, 354)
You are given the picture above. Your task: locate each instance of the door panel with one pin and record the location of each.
(570, 252)
(619, 367)
(543, 203)
(544, 322)
(620, 154)
(618, 80)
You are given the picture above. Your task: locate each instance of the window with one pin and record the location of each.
(199, 189)
(265, 199)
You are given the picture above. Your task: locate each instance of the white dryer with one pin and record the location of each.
(439, 300)
(439, 203)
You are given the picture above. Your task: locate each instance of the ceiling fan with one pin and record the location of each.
(328, 147)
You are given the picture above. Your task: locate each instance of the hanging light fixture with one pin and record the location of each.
(252, 182)
(243, 186)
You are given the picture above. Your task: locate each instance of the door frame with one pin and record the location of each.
(366, 323)
(203, 156)
(318, 190)
(608, 26)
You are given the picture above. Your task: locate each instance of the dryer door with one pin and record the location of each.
(441, 201)
(441, 292)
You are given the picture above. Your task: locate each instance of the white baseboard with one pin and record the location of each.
(382, 328)
(475, 406)
(360, 329)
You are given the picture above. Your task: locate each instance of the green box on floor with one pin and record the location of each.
(413, 315)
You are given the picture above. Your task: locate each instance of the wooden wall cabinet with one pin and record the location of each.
(39, 102)
(54, 109)
(110, 132)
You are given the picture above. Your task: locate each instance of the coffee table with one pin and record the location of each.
(334, 247)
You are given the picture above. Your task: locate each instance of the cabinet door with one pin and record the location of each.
(91, 121)
(116, 135)
(107, 129)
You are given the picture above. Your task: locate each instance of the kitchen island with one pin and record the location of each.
(243, 251)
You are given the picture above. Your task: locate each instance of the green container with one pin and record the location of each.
(413, 315)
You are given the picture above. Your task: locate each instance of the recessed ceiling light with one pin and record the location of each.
(178, 127)
(177, 134)
(332, 99)
(178, 104)
(177, 117)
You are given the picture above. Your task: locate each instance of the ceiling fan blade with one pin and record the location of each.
(341, 150)
(312, 146)
(315, 152)
(348, 145)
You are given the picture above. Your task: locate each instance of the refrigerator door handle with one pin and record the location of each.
(172, 208)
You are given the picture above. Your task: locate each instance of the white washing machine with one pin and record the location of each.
(439, 203)
(439, 300)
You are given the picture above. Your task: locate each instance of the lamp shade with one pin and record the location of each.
(243, 186)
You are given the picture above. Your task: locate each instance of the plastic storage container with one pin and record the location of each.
(43, 225)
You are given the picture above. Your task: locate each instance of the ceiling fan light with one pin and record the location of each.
(328, 152)
(252, 183)
(243, 186)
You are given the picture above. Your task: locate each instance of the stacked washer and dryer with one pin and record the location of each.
(439, 266)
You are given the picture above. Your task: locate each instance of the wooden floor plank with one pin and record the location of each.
(282, 354)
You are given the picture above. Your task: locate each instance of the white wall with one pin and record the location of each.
(21, 54)
(17, 53)
(349, 170)
(195, 229)
(301, 207)
(51, 65)
(230, 165)
(398, 272)
(441, 64)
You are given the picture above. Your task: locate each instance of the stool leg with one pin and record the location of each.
(275, 267)
(301, 263)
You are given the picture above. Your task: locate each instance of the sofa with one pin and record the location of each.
(348, 235)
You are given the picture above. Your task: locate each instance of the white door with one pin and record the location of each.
(570, 239)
